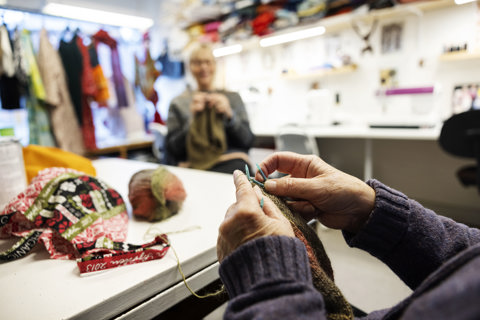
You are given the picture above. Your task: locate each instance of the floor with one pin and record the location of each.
(365, 281)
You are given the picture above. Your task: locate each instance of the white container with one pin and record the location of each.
(13, 178)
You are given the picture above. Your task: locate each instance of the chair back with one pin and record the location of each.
(159, 132)
(460, 136)
(296, 139)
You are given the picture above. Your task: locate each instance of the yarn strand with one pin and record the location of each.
(179, 266)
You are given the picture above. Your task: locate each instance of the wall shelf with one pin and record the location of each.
(344, 21)
(341, 22)
(320, 73)
(460, 56)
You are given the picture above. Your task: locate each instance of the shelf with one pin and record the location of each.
(460, 56)
(320, 73)
(343, 21)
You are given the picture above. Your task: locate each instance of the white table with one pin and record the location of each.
(366, 133)
(37, 287)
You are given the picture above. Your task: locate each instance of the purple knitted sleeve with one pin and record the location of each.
(269, 278)
(412, 240)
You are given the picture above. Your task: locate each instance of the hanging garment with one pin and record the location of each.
(89, 91)
(6, 53)
(21, 70)
(76, 216)
(38, 119)
(132, 119)
(103, 37)
(170, 67)
(102, 93)
(73, 64)
(62, 114)
(145, 76)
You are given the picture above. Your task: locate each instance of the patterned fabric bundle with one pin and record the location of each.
(75, 216)
(322, 273)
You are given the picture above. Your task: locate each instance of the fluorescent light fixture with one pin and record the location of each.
(292, 36)
(98, 16)
(224, 51)
(460, 2)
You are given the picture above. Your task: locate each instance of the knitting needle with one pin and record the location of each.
(261, 172)
(247, 173)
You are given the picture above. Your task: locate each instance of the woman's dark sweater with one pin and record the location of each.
(269, 278)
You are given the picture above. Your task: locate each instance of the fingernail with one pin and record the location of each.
(236, 173)
(257, 191)
(270, 185)
(261, 172)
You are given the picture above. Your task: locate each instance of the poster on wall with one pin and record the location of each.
(392, 37)
(466, 97)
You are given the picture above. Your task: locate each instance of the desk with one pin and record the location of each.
(409, 160)
(363, 132)
(37, 287)
(122, 147)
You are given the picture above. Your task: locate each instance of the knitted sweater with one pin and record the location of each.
(238, 133)
(269, 278)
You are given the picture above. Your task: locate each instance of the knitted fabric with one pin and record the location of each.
(337, 306)
(206, 139)
(75, 216)
(66, 210)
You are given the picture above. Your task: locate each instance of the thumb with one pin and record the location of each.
(299, 188)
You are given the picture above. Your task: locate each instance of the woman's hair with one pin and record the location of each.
(200, 48)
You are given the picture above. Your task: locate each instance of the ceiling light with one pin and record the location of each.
(224, 51)
(98, 16)
(292, 36)
(460, 2)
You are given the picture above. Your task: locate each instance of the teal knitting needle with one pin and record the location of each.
(262, 173)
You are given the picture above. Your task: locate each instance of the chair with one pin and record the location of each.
(159, 132)
(460, 136)
(293, 138)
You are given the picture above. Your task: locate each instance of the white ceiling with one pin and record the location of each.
(164, 12)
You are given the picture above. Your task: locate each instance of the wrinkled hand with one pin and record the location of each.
(220, 103)
(336, 199)
(245, 220)
(199, 101)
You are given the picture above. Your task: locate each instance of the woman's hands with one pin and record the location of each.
(338, 200)
(201, 100)
(245, 220)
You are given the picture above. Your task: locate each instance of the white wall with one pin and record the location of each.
(420, 169)
(423, 40)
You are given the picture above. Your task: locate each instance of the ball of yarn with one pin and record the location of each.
(155, 194)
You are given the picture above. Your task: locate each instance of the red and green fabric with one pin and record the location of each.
(75, 216)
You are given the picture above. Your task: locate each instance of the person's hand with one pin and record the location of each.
(338, 200)
(245, 220)
(199, 100)
(220, 103)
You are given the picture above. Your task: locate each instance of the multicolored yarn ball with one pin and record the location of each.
(156, 194)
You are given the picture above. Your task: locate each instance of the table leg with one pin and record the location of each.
(368, 163)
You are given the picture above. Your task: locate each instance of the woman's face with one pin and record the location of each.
(202, 66)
